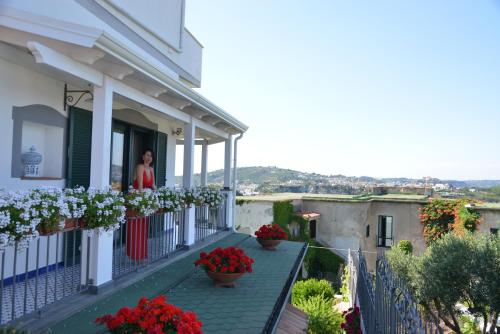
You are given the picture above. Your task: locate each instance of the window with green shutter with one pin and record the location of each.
(80, 143)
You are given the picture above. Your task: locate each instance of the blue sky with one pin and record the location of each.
(379, 88)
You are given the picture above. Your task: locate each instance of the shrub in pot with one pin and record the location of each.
(269, 236)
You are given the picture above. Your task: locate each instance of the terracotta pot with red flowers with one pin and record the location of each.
(151, 316)
(225, 265)
(270, 236)
(352, 321)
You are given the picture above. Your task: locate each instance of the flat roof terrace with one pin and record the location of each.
(252, 307)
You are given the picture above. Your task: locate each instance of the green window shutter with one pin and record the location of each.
(80, 143)
(161, 159)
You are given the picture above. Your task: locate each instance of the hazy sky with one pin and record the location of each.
(379, 88)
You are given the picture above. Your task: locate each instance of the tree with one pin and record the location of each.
(454, 269)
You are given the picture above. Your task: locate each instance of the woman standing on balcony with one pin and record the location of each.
(144, 176)
(137, 227)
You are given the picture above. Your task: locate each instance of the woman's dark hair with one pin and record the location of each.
(146, 151)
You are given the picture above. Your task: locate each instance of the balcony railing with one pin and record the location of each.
(48, 270)
(143, 240)
(209, 220)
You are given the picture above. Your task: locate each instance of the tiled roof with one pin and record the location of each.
(244, 309)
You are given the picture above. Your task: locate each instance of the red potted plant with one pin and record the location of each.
(225, 265)
(151, 316)
(269, 236)
(352, 321)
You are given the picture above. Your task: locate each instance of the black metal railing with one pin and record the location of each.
(46, 271)
(386, 304)
(209, 220)
(143, 240)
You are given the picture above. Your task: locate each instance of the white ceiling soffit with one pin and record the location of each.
(89, 37)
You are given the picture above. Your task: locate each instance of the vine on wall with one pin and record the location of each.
(440, 216)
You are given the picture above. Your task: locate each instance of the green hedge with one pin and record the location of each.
(303, 290)
(323, 319)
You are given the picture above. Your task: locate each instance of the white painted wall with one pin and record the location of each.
(21, 87)
(163, 22)
(163, 18)
(32, 256)
(48, 141)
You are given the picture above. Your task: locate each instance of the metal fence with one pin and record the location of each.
(48, 270)
(143, 240)
(209, 220)
(386, 304)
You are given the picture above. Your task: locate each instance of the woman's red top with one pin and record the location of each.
(146, 183)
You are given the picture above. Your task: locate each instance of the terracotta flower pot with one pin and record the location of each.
(45, 231)
(268, 244)
(71, 224)
(223, 280)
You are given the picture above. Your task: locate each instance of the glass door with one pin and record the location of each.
(118, 153)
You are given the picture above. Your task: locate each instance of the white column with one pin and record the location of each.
(204, 154)
(101, 246)
(171, 148)
(228, 156)
(187, 180)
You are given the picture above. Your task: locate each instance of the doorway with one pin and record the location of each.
(128, 143)
(140, 140)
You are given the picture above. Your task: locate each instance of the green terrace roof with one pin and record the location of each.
(251, 307)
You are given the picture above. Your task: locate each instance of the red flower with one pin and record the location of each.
(228, 260)
(352, 320)
(153, 316)
(271, 232)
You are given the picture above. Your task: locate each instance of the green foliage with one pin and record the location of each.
(466, 219)
(454, 269)
(319, 261)
(344, 289)
(323, 319)
(303, 290)
(468, 325)
(282, 213)
(406, 246)
(441, 216)
(241, 201)
(402, 263)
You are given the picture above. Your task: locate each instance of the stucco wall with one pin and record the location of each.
(251, 215)
(342, 224)
(22, 87)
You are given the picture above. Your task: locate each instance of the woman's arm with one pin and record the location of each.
(140, 175)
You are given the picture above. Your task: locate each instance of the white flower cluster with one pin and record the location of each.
(105, 209)
(74, 198)
(209, 196)
(146, 202)
(19, 218)
(170, 199)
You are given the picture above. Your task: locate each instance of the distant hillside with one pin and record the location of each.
(273, 175)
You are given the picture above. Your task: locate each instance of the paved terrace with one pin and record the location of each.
(247, 308)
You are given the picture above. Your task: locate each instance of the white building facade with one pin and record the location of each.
(89, 84)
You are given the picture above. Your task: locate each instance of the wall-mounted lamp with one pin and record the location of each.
(177, 131)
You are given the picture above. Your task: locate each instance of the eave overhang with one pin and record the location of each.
(158, 75)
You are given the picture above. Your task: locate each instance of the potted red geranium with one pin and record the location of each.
(225, 265)
(151, 316)
(352, 321)
(269, 236)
